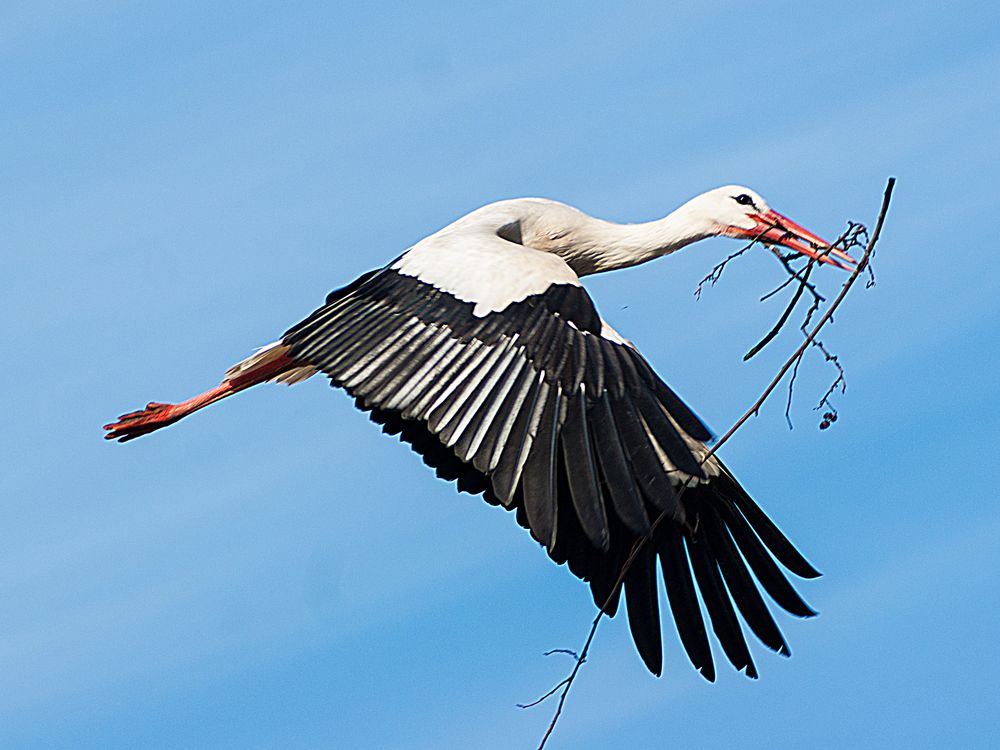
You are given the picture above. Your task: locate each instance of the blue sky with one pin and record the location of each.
(182, 183)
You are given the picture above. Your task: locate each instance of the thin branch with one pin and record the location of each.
(830, 416)
(796, 274)
(791, 362)
(778, 288)
(567, 651)
(716, 273)
(795, 369)
(546, 696)
(784, 316)
(791, 391)
(846, 241)
(851, 238)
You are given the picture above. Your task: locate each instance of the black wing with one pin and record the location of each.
(537, 410)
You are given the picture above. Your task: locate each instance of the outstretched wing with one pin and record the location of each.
(504, 378)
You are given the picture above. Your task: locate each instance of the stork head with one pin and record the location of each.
(737, 211)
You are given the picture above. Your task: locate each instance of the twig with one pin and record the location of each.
(795, 274)
(795, 368)
(547, 695)
(792, 361)
(849, 239)
(791, 391)
(830, 416)
(784, 316)
(716, 273)
(778, 288)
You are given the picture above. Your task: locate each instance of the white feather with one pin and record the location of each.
(469, 260)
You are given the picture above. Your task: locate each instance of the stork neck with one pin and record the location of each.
(599, 245)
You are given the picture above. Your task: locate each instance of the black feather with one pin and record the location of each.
(583, 484)
(720, 608)
(646, 467)
(770, 534)
(618, 479)
(666, 434)
(682, 597)
(505, 477)
(642, 605)
(539, 477)
(762, 565)
(740, 584)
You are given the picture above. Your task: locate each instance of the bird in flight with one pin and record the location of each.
(479, 347)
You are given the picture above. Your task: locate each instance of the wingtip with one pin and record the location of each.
(806, 613)
(653, 661)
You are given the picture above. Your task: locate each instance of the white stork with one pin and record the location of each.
(479, 347)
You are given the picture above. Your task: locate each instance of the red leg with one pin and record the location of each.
(155, 415)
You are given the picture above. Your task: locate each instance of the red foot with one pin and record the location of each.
(136, 423)
(155, 415)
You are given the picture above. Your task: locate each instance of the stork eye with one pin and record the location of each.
(743, 199)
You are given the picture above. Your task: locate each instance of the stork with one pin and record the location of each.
(479, 347)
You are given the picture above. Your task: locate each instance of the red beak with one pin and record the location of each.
(776, 229)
